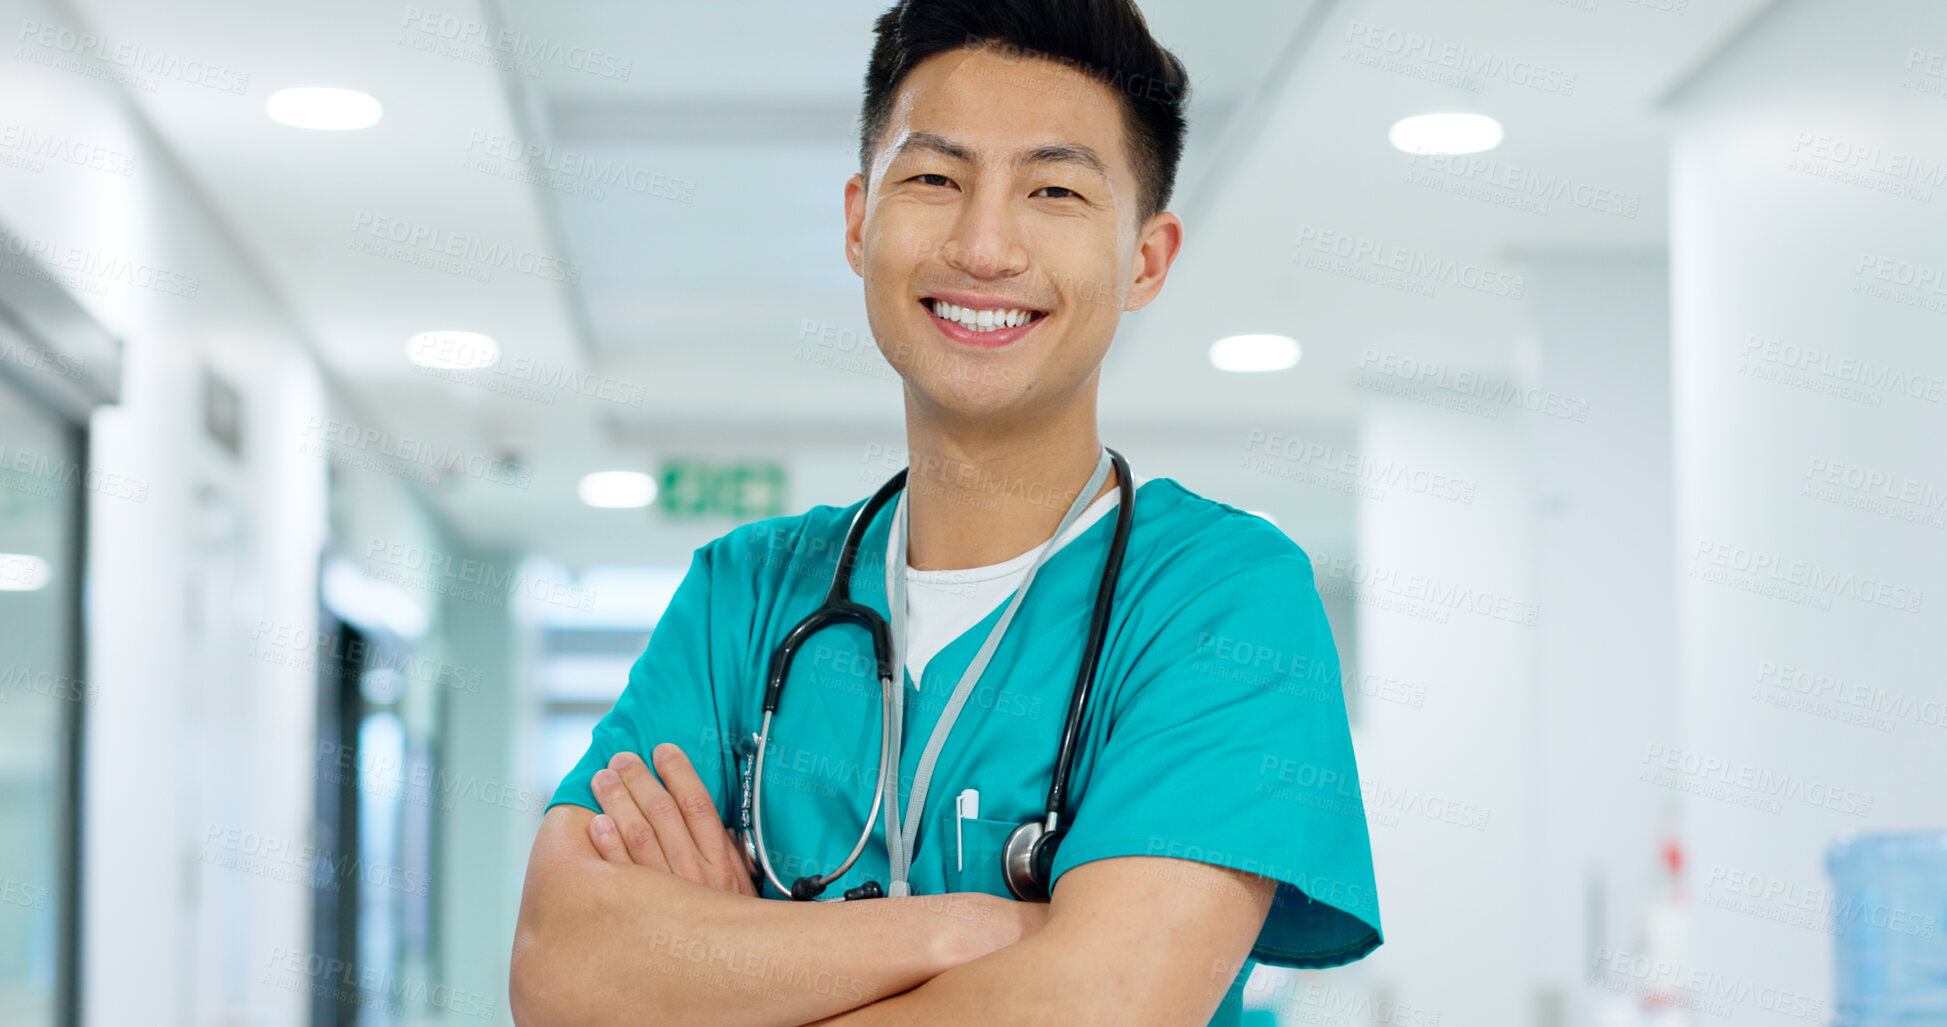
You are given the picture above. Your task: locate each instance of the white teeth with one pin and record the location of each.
(981, 320)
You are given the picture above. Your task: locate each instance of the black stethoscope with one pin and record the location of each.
(1028, 856)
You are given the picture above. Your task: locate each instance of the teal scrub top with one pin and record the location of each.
(1216, 730)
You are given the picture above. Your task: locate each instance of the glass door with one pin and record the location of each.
(42, 702)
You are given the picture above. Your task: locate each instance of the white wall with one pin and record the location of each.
(1605, 648)
(196, 734)
(1775, 243)
(1448, 784)
(484, 844)
(1521, 602)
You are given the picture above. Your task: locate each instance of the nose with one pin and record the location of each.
(987, 240)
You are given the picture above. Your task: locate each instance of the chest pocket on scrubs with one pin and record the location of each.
(978, 867)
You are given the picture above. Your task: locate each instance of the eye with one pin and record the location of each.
(943, 179)
(1072, 194)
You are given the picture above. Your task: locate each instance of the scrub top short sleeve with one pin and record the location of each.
(1229, 745)
(670, 697)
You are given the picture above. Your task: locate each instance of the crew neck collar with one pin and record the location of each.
(967, 575)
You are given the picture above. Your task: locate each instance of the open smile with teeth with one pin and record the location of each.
(981, 320)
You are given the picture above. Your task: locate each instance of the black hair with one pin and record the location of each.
(1104, 39)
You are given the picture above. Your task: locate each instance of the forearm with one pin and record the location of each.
(1133, 941)
(602, 943)
(1028, 983)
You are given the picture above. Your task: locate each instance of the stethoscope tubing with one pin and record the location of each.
(839, 608)
(1071, 730)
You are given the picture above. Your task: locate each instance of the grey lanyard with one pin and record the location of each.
(900, 841)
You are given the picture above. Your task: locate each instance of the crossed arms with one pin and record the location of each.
(646, 913)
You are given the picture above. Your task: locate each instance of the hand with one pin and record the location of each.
(979, 924)
(1023, 919)
(671, 825)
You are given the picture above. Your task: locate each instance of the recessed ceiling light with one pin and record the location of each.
(21, 572)
(1254, 353)
(1446, 133)
(453, 350)
(324, 108)
(618, 489)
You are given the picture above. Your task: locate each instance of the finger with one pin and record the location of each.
(672, 831)
(608, 840)
(679, 778)
(714, 843)
(638, 838)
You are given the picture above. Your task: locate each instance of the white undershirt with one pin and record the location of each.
(942, 605)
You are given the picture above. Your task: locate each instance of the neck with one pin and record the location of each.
(978, 494)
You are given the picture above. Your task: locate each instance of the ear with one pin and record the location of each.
(855, 223)
(1157, 247)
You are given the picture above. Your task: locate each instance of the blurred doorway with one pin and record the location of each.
(43, 700)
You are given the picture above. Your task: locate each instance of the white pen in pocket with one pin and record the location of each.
(965, 805)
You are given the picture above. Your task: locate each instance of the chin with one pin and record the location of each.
(972, 398)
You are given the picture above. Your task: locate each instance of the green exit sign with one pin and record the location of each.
(738, 489)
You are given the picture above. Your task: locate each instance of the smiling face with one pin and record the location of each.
(1002, 195)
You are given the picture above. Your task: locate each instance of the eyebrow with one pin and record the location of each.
(1050, 153)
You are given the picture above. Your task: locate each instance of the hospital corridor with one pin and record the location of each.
(1414, 513)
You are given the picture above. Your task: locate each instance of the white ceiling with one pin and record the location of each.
(701, 304)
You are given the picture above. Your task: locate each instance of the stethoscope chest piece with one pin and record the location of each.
(1027, 860)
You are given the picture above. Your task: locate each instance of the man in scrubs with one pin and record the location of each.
(1016, 157)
